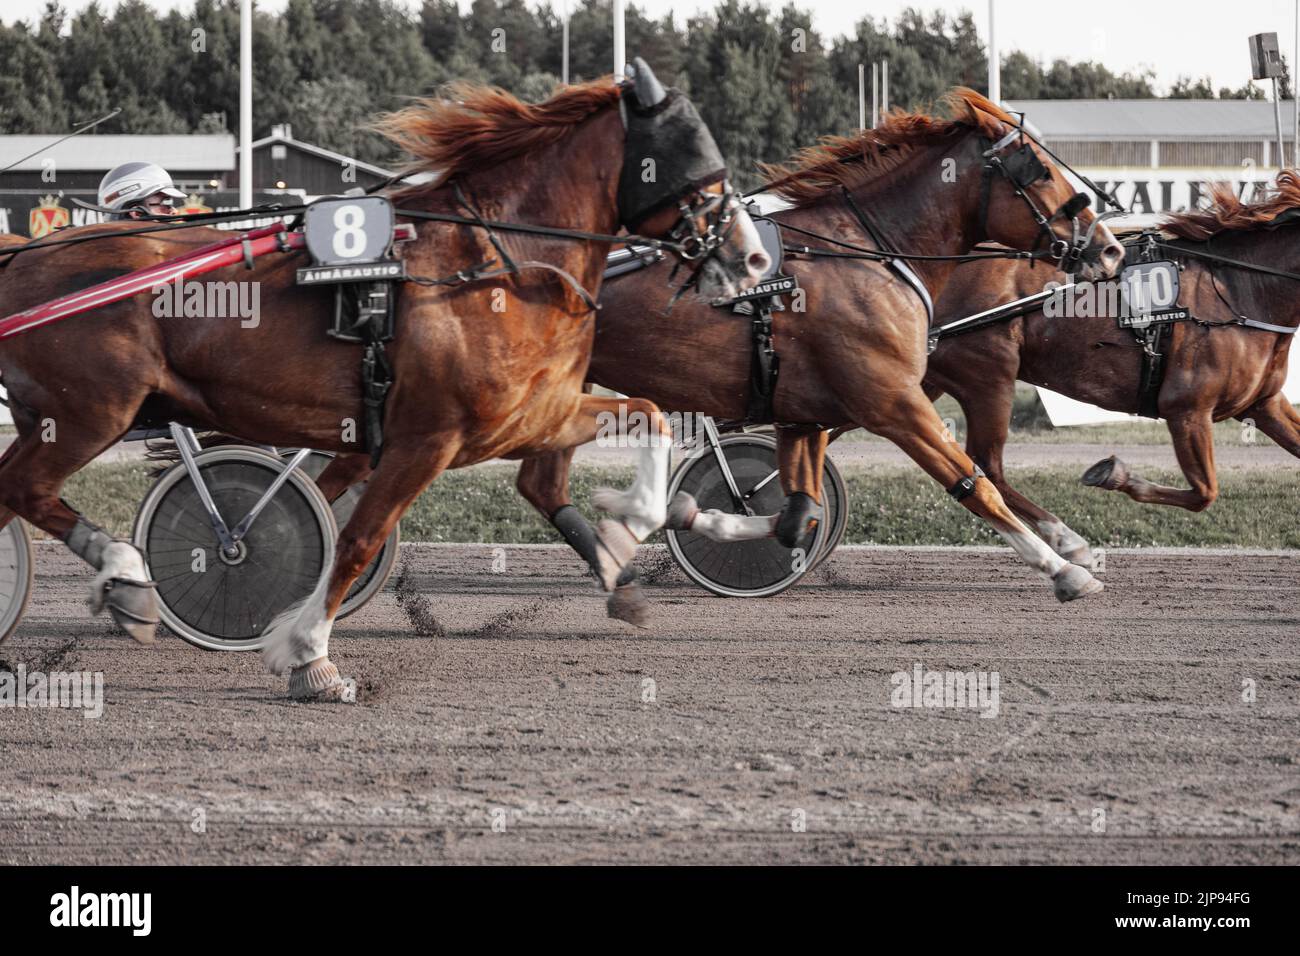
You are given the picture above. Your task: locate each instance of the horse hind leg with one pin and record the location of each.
(635, 514)
(1193, 437)
(800, 453)
(1277, 418)
(32, 473)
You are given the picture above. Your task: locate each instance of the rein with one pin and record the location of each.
(1224, 260)
(862, 252)
(1032, 303)
(1240, 320)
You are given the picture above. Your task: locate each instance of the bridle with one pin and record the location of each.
(695, 245)
(1021, 168)
(718, 210)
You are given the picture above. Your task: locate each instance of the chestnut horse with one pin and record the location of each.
(1216, 369)
(473, 380)
(856, 353)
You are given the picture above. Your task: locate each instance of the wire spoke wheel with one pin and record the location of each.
(758, 568)
(17, 567)
(372, 577)
(224, 601)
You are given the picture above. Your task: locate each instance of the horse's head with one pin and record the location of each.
(673, 186)
(1026, 202)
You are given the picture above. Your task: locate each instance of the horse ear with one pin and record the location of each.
(649, 91)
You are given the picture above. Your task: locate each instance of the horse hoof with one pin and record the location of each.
(681, 512)
(629, 604)
(134, 606)
(617, 549)
(1109, 474)
(1073, 582)
(318, 680)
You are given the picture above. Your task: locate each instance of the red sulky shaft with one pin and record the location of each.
(209, 258)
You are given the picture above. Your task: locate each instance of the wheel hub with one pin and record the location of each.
(235, 558)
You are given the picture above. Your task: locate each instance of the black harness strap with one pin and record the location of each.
(764, 367)
(465, 204)
(1154, 341)
(376, 380)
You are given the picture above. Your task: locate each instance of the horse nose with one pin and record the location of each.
(758, 263)
(1112, 257)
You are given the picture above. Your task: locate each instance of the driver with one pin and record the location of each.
(134, 190)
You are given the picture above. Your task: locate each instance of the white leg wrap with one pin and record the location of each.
(719, 526)
(644, 506)
(299, 634)
(120, 560)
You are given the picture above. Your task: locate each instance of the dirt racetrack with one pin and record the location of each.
(536, 730)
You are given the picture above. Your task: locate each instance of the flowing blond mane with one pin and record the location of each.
(476, 127)
(1227, 211)
(851, 161)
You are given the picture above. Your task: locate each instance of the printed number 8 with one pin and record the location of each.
(349, 236)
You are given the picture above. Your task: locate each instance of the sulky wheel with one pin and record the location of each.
(17, 566)
(224, 602)
(372, 578)
(758, 568)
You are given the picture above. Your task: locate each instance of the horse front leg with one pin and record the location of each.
(1193, 435)
(342, 473)
(911, 423)
(298, 639)
(988, 416)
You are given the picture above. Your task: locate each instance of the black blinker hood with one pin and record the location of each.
(685, 156)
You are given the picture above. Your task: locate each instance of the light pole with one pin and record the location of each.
(620, 53)
(862, 94)
(995, 65)
(1266, 64)
(245, 104)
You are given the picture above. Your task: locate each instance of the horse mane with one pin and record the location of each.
(475, 127)
(1227, 211)
(852, 161)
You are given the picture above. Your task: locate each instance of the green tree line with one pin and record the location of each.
(765, 81)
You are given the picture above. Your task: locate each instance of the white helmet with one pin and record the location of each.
(133, 183)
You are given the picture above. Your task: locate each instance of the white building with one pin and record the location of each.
(1159, 156)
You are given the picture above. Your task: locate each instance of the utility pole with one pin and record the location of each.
(620, 53)
(862, 94)
(875, 94)
(245, 104)
(995, 64)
